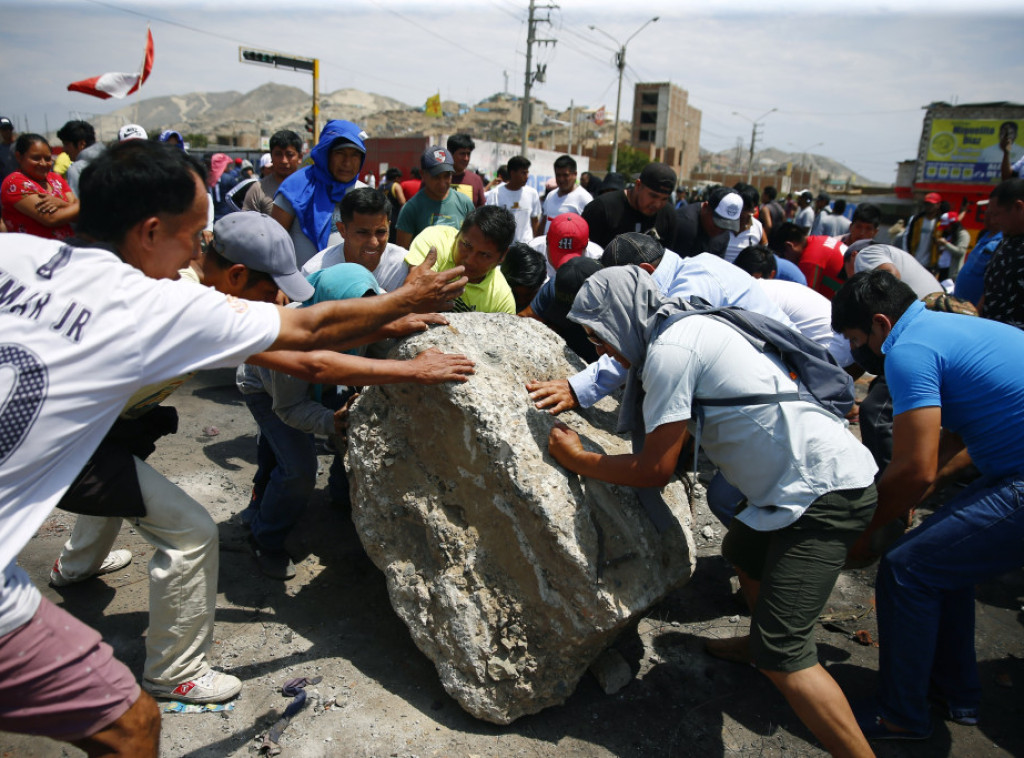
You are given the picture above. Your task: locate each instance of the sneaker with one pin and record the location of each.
(963, 716)
(115, 561)
(211, 687)
(276, 564)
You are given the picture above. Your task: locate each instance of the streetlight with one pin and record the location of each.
(753, 138)
(620, 61)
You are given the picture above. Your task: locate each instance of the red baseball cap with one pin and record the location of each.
(933, 197)
(568, 236)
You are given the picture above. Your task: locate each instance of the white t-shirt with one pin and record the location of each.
(79, 339)
(912, 273)
(305, 248)
(811, 313)
(743, 238)
(571, 202)
(540, 244)
(782, 456)
(524, 203)
(390, 272)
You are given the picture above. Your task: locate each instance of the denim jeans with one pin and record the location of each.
(925, 598)
(285, 475)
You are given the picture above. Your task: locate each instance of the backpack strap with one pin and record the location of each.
(762, 399)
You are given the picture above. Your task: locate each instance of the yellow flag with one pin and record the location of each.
(433, 106)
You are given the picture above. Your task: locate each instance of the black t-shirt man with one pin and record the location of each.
(639, 208)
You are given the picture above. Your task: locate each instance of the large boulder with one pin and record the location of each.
(512, 574)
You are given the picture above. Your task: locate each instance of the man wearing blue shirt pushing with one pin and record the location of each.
(958, 396)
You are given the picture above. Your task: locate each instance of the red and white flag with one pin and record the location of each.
(598, 116)
(117, 85)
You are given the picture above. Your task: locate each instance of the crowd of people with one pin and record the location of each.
(735, 321)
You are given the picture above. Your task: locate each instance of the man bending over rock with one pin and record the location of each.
(809, 495)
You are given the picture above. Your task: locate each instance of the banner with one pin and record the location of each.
(433, 106)
(117, 85)
(967, 150)
(598, 116)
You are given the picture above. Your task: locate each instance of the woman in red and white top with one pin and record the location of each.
(35, 199)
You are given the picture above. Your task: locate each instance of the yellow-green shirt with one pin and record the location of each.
(61, 163)
(492, 295)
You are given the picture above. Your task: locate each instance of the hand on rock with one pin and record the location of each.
(564, 445)
(554, 396)
(435, 367)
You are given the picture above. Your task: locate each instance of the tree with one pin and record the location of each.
(196, 140)
(631, 160)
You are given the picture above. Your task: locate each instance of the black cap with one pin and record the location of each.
(570, 277)
(612, 181)
(658, 177)
(632, 248)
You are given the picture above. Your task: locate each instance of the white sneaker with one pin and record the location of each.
(211, 687)
(115, 561)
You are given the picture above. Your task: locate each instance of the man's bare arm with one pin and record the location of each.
(652, 467)
(333, 324)
(328, 367)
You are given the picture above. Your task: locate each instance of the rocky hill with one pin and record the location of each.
(238, 117)
(234, 118)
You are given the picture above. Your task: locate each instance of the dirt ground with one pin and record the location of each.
(380, 696)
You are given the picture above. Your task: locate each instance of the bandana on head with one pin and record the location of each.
(312, 191)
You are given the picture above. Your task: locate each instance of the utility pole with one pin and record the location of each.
(531, 75)
(620, 63)
(755, 122)
(750, 158)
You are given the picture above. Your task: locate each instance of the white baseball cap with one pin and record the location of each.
(131, 131)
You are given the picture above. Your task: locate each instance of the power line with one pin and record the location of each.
(459, 44)
(504, 9)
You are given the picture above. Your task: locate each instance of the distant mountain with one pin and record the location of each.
(269, 108)
(772, 158)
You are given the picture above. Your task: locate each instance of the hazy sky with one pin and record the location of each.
(855, 82)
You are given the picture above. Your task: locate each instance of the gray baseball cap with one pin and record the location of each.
(258, 242)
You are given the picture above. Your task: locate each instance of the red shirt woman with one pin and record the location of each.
(36, 200)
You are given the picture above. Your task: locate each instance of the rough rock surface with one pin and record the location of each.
(512, 574)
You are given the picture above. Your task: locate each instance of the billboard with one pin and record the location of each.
(967, 149)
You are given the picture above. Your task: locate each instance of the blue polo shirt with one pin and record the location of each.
(973, 369)
(788, 271)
